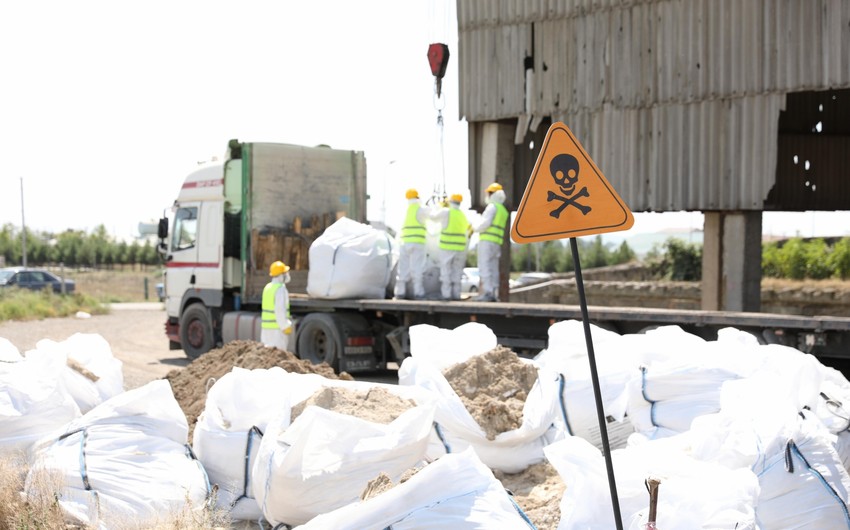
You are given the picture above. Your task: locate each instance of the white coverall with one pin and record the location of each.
(452, 262)
(411, 261)
(276, 337)
(489, 252)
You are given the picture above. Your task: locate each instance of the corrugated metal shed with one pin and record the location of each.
(677, 101)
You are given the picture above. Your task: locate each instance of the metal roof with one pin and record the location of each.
(677, 101)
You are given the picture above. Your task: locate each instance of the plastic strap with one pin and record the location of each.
(561, 385)
(191, 455)
(254, 430)
(520, 512)
(791, 450)
(643, 392)
(442, 438)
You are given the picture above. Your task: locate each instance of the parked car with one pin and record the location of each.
(34, 279)
(160, 291)
(470, 280)
(530, 278)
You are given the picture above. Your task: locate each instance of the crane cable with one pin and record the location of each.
(439, 105)
(438, 58)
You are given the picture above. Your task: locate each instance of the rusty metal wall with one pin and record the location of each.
(677, 101)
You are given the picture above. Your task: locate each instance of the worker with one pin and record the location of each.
(411, 259)
(454, 238)
(276, 324)
(491, 229)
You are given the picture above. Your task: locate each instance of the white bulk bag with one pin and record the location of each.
(324, 459)
(511, 451)
(350, 260)
(228, 432)
(93, 374)
(457, 491)
(665, 400)
(9, 353)
(33, 401)
(444, 347)
(567, 355)
(127, 460)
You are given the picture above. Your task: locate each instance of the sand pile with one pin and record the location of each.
(493, 387)
(538, 491)
(190, 384)
(376, 404)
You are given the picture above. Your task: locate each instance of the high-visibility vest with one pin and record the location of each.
(413, 231)
(453, 236)
(496, 231)
(268, 320)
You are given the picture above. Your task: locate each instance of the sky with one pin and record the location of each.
(105, 106)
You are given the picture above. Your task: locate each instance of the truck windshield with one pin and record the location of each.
(185, 228)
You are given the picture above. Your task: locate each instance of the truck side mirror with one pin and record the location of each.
(162, 230)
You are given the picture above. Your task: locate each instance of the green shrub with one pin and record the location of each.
(23, 304)
(770, 260)
(817, 254)
(792, 259)
(676, 260)
(839, 259)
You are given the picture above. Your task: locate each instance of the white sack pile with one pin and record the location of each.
(742, 435)
(350, 260)
(52, 385)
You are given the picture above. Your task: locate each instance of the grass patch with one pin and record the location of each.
(23, 304)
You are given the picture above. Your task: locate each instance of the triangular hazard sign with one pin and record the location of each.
(567, 195)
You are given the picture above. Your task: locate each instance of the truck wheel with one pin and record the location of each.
(196, 333)
(319, 339)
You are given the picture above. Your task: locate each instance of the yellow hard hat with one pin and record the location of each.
(277, 268)
(494, 187)
(457, 197)
(411, 194)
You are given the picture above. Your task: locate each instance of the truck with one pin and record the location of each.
(266, 201)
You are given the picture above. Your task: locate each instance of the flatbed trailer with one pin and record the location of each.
(378, 328)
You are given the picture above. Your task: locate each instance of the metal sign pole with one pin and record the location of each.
(597, 393)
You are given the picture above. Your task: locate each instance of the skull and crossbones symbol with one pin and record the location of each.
(564, 170)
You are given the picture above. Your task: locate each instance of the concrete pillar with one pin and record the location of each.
(497, 164)
(731, 261)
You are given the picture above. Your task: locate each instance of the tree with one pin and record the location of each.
(552, 257)
(623, 254)
(596, 255)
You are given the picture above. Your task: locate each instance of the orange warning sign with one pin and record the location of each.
(567, 195)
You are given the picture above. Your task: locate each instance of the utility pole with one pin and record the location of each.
(23, 227)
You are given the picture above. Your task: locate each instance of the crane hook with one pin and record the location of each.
(438, 58)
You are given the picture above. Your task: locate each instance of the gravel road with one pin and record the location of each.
(135, 332)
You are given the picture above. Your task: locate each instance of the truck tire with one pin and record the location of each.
(196, 331)
(319, 339)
